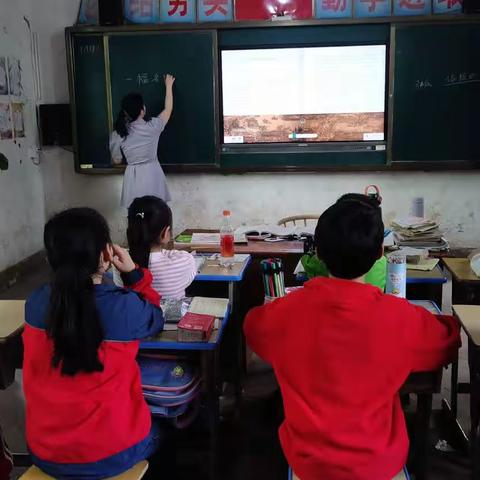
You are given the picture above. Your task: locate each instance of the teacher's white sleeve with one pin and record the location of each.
(115, 151)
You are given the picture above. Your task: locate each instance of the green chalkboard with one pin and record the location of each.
(91, 128)
(436, 108)
(138, 63)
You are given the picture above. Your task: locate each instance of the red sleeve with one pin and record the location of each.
(140, 280)
(433, 341)
(261, 328)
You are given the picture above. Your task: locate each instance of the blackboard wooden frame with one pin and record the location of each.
(391, 21)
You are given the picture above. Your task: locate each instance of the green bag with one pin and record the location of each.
(377, 276)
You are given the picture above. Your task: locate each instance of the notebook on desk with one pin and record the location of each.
(214, 238)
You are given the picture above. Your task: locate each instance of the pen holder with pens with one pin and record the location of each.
(273, 278)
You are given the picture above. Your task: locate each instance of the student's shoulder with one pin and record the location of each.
(171, 256)
(117, 307)
(36, 306)
(393, 304)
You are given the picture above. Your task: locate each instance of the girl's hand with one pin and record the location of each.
(122, 260)
(169, 80)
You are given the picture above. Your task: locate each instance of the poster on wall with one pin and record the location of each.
(215, 10)
(447, 6)
(178, 11)
(15, 77)
(3, 76)
(5, 121)
(142, 11)
(18, 123)
(372, 8)
(267, 9)
(88, 14)
(333, 8)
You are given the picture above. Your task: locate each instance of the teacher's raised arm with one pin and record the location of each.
(135, 140)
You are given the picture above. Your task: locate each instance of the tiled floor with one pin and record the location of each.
(249, 447)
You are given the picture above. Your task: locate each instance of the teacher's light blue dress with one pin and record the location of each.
(143, 175)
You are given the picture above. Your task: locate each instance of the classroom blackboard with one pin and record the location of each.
(138, 63)
(433, 107)
(436, 107)
(91, 130)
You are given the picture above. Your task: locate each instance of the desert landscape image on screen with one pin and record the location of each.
(312, 94)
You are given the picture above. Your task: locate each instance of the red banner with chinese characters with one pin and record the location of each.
(266, 9)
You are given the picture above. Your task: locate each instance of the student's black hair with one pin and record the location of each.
(132, 105)
(74, 240)
(148, 217)
(349, 236)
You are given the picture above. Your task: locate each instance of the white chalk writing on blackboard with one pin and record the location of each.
(144, 78)
(88, 49)
(460, 78)
(423, 84)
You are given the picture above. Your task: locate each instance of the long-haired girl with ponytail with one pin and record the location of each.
(135, 140)
(149, 234)
(86, 416)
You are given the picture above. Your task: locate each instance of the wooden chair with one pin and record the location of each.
(298, 218)
(135, 473)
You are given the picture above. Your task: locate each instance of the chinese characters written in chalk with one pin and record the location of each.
(179, 7)
(88, 49)
(463, 77)
(423, 84)
(145, 78)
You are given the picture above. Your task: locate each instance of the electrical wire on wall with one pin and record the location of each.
(37, 83)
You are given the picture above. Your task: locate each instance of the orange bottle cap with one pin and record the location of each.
(226, 213)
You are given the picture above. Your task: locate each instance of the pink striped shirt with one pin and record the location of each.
(172, 271)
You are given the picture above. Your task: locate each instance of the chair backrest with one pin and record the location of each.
(298, 219)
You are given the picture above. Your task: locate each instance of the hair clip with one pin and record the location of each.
(140, 214)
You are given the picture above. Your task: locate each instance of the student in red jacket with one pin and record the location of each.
(341, 350)
(86, 417)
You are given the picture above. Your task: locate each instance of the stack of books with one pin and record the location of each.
(419, 233)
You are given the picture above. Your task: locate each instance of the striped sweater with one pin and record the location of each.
(172, 271)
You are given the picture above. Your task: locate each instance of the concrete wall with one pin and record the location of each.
(21, 189)
(197, 199)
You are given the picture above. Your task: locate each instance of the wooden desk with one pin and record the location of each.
(465, 284)
(469, 318)
(12, 314)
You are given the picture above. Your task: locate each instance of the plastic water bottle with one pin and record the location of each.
(227, 240)
(397, 274)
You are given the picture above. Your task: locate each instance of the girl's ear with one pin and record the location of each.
(165, 236)
(107, 254)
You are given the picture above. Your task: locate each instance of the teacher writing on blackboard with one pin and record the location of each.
(135, 138)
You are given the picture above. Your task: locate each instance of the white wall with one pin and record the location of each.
(21, 190)
(198, 199)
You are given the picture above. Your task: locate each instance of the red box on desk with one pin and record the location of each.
(194, 327)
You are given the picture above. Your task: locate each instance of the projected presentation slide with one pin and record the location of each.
(314, 94)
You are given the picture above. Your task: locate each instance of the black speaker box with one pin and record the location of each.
(55, 124)
(110, 12)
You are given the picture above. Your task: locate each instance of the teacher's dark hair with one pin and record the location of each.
(148, 217)
(74, 240)
(132, 105)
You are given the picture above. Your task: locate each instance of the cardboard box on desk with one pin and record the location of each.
(195, 327)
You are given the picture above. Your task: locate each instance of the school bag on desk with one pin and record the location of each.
(171, 388)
